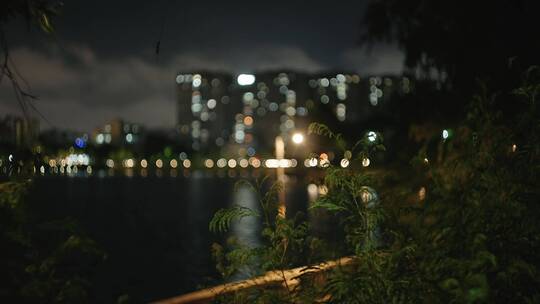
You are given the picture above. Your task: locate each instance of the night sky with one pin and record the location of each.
(102, 64)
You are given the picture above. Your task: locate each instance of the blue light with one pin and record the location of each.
(80, 143)
(250, 151)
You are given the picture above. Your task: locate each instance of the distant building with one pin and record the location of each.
(118, 133)
(18, 132)
(222, 111)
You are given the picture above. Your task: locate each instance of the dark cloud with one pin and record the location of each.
(380, 59)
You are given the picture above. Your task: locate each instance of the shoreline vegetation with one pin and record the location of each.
(468, 234)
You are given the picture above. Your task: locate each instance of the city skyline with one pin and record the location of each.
(171, 117)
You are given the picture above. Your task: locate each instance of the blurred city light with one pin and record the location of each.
(243, 163)
(365, 162)
(298, 138)
(186, 163)
(221, 163)
(313, 192)
(245, 79)
(80, 143)
(129, 163)
(323, 190)
(280, 163)
(209, 163)
(372, 136)
(109, 163)
(445, 134)
(256, 163)
(324, 163)
(422, 193)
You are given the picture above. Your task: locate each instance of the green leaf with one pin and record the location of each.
(223, 218)
(45, 23)
(327, 205)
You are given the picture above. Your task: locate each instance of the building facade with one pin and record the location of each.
(219, 111)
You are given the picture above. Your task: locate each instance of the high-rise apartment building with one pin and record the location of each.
(223, 111)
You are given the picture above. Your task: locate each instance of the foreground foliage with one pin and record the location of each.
(42, 260)
(458, 225)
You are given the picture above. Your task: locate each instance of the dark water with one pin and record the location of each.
(154, 230)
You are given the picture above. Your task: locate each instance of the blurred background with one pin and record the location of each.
(136, 118)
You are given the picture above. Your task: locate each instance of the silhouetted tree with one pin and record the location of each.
(35, 13)
(459, 40)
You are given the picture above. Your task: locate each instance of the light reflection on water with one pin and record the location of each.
(247, 229)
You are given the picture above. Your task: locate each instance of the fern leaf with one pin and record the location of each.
(223, 218)
(327, 205)
(320, 129)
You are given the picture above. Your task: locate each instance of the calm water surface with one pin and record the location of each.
(154, 230)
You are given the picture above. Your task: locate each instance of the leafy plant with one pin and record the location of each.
(466, 233)
(43, 260)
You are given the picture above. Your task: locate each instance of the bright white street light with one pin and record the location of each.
(372, 136)
(298, 138)
(445, 134)
(245, 79)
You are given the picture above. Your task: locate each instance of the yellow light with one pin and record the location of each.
(173, 163)
(271, 163)
(159, 163)
(344, 163)
(422, 193)
(186, 163)
(323, 190)
(285, 163)
(209, 163)
(129, 163)
(232, 163)
(365, 162)
(325, 163)
(244, 163)
(366, 196)
(144, 163)
(294, 163)
(279, 163)
(298, 138)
